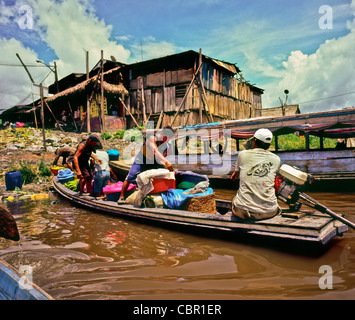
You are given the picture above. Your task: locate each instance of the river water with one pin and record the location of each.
(74, 253)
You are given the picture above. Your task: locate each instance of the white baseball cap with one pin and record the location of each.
(264, 135)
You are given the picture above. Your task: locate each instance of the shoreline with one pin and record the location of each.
(25, 145)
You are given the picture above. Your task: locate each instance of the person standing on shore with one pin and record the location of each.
(81, 161)
(64, 152)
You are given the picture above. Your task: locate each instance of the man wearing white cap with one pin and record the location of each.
(256, 169)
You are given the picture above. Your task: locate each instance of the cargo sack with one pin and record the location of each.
(176, 198)
(205, 204)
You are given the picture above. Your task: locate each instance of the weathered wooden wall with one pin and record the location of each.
(227, 97)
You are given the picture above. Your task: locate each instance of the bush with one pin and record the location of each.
(133, 135)
(119, 134)
(44, 171)
(28, 172)
(294, 142)
(106, 136)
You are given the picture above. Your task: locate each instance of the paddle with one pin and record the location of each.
(8, 227)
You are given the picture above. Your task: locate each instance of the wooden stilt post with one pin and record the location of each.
(42, 117)
(102, 93)
(88, 124)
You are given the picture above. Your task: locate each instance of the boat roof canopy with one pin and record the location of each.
(331, 124)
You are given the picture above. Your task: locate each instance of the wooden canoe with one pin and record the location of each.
(14, 286)
(330, 168)
(311, 228)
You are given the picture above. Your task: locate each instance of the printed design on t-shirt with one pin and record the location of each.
(260, 169)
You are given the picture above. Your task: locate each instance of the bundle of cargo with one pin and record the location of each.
(157, 190)
(65, 175)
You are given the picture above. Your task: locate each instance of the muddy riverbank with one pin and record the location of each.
(24, 146)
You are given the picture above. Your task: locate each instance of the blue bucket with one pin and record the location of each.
(113, 154)
(13, 179)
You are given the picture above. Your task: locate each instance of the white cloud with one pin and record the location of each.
(151, 49)
(67, 27)
(325, 79)
(15, 84)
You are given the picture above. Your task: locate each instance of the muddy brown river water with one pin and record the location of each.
(74, 253)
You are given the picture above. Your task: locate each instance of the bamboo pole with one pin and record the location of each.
(102, 94)
(88, 120)
(42, 117)
(199, 73)
(159, 120)
(53, 116)
(72, 115)
(129, 112)
(143, 103)
(187, 91)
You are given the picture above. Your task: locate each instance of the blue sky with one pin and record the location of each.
(277, 44)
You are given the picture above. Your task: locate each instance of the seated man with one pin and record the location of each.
(151, 156)
(256, 168)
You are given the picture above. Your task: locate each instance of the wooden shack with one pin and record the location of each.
(188, 88)
(104, 92)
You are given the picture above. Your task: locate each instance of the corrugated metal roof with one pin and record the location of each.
(228, 66)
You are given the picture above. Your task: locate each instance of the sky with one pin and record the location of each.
(304, 46)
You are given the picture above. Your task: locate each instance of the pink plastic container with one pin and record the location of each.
(112, 191)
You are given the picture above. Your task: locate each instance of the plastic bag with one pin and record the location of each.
(176, 198)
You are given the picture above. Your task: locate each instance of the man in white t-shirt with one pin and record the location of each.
(256, 169)
(102, 172)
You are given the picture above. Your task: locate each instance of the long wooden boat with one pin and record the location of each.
(315, 228)
(14, 286)
(330, 168)
(327, 166)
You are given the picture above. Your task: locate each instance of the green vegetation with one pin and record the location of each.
(106, 136)
(294, 142)
(31, 172)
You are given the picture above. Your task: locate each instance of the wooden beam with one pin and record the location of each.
(53, 116)
(187, 91)
(102, 93)
(72, 115)
(42, 117)
(88, 124)
(160, 119)
(129, 112)
(201, 102)
(143, 103)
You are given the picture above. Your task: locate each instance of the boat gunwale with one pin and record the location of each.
(322, 233)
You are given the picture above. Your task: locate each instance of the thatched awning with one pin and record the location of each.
(87, 85)
(115, 88)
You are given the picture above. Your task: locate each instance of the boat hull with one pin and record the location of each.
(14, 286)
(311, 228)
